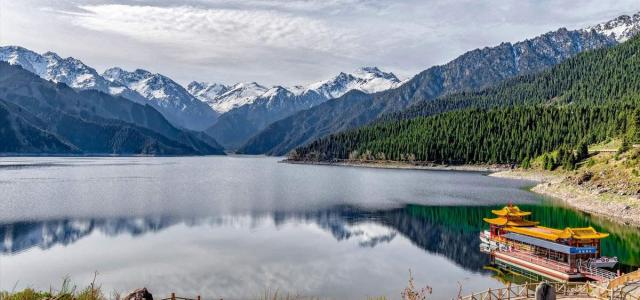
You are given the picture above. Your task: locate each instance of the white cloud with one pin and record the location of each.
(228, 29)
(283, 41)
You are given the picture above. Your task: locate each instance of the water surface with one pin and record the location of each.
(233, 227)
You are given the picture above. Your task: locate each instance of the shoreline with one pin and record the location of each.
(405, 166)
(620, 209)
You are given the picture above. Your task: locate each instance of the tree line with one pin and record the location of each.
(508, 135)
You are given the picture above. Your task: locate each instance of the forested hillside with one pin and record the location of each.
(476, 69)
(585, 99)
(504, 135)
(592, 76)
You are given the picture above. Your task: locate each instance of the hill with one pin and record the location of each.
(473, 70)
(586, 99)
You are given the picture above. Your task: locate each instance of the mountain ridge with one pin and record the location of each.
(473, 70)
(93, 121)
(167, 96)
(237, 125)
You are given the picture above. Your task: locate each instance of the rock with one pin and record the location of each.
(586, 176)
(545, 291)
(139, 294)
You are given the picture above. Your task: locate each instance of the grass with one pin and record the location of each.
(68, 291)
(609, 145)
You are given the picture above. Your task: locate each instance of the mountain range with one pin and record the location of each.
(168, 97)
(584, 100)
(44, 117)
(258, 107)
(247, 107)
(248, 117)
(474, 70)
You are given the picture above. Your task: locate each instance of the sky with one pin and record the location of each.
(285, 42)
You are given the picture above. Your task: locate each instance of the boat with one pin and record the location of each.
(518, 244)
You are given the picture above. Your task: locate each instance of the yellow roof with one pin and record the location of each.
(586, 233)
(502, 221)
(511, 211)
(555, 234)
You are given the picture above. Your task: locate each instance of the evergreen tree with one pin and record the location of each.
(582, 151)
(625, 146)
(634, 127)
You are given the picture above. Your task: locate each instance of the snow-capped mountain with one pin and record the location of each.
(166, 95)
(249, 108)
(621, 28)
(69, 71)
(225, 98)
(206, 91)
(366, 79)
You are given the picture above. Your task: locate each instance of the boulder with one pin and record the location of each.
(545, 291)
(139, 294)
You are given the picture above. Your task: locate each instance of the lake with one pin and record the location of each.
(234, 227)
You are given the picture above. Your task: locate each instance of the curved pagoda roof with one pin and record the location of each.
(585, 233)
(502, 221)
(511, 218)
(511, 211)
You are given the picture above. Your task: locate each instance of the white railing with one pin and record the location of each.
(586, 268)
(562, 290)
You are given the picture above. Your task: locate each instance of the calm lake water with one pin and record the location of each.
(234, 227)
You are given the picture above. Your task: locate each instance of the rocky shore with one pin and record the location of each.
(595, 199)
(405, 165)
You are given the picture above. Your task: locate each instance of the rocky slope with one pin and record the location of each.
(621, 28)
(606, 184)
(19, 135)
(238, 125)
(167, 96)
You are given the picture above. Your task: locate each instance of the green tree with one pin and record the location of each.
(625, 146)
(582, 151)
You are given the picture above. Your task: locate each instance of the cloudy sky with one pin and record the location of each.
(283, 41)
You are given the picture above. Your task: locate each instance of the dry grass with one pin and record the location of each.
(67, 291)
(412, 293)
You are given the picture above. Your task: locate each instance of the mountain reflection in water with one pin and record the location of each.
(448, 231)
(370, 228)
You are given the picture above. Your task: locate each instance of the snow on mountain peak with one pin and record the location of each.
(224, 98)
(365, 79)
(27, 59)
(621, 28)
(275, 92)
(205, 90)
(151, 86)
(169, 97)
(69, 71)
(374, 72)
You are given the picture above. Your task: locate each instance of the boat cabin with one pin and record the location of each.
(570, 250)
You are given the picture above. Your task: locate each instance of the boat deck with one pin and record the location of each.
(550, 268)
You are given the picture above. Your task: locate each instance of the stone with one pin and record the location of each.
(139, 294)
(545, 291)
